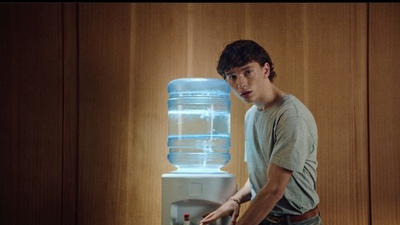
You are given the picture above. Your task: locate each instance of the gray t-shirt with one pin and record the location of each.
(286, 135)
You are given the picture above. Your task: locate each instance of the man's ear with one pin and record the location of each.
(266, 70)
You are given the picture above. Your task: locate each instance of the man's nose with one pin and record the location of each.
(241, 82)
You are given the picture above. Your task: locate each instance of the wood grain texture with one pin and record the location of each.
(104, 56)
(71, 114)
(336, 55)
(31, 84)
(384, 108)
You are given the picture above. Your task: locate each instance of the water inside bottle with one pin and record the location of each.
(199, 126)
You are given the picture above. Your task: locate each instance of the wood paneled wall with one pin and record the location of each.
(31, 92)
(84, 102)
(384, 116)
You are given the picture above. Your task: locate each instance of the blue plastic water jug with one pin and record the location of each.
(198, 124)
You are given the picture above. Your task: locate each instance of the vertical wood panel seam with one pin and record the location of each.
(306, 57)
(62, 110)
(247, 22)
(190, 40)
(70, 113)
(368, 120)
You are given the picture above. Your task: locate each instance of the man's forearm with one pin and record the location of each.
(244, 194)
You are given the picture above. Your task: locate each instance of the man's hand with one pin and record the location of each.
(230, 207)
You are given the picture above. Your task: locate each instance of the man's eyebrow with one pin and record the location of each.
(246, 67)
(230, 72)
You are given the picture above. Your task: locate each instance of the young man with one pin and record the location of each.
(280, 144)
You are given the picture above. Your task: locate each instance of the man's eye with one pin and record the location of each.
(247, 72)
(231, 77)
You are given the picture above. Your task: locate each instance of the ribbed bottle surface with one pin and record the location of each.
(198, 124)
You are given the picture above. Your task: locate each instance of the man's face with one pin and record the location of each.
(248, 82)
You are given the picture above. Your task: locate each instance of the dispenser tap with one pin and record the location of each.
(186, 220)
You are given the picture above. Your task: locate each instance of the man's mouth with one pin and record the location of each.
(245, 94)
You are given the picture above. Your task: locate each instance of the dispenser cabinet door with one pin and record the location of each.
(196, 195)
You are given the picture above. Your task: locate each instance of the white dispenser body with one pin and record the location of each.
(196, 194)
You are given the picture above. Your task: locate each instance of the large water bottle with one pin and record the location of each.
(198, 124)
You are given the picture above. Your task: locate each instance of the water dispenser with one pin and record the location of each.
(198, 143)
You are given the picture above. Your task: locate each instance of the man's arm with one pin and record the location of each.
(268, 196)
(244, 194)
(231, 207)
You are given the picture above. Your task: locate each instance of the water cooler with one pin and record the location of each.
(198, 142)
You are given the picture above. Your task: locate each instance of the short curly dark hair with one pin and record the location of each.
(241, 52)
